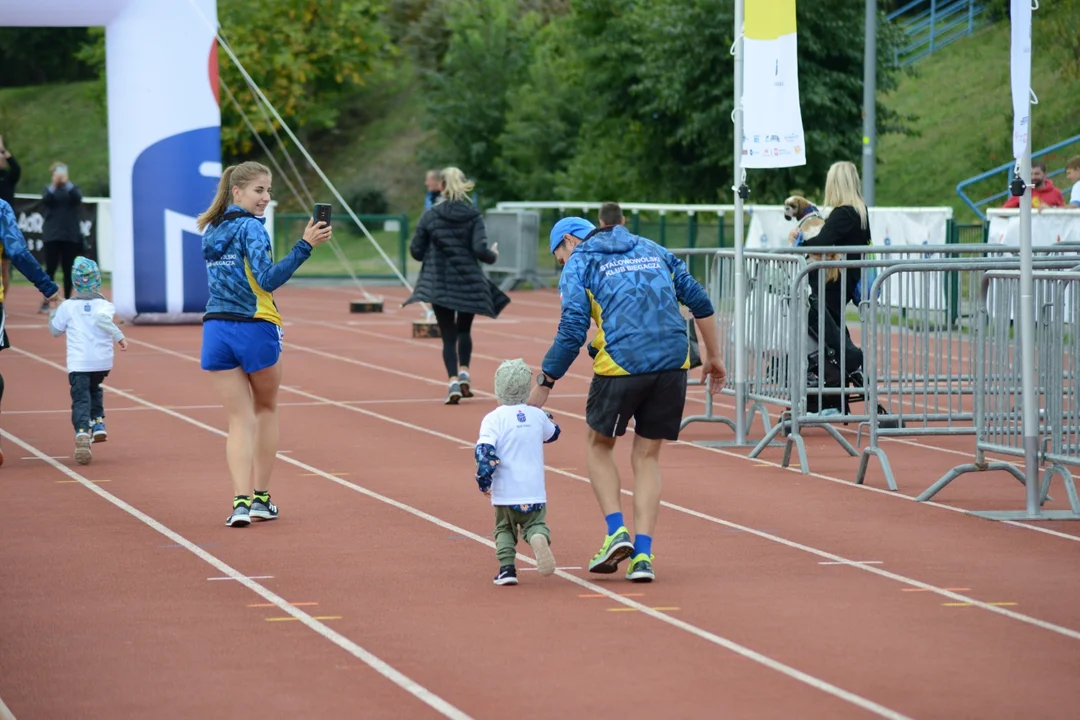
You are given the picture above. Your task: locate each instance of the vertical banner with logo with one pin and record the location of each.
(165, 154)
(1020, 69)
(772, 118)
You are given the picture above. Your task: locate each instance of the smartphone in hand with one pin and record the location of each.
(322, 213)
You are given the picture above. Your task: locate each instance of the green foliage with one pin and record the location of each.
(488, 54)
(39, 55)
(1061, 19)
(305, 55)
(633, 99)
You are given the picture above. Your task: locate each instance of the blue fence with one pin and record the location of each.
(1052, 157)
(932, 24)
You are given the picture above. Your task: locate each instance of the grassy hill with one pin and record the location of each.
(48, 123)
(963, 101)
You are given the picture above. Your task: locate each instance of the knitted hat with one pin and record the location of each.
(85, 275)
(513, 381)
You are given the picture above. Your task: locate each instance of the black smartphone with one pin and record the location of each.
(322, 213)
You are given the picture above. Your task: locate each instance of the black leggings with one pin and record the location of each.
(456, 337)
(60, 253)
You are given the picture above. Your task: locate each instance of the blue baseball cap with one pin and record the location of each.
(578, 227)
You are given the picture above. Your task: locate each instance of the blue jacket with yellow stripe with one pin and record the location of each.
(631, 288)
(16, 250)
(241, 270)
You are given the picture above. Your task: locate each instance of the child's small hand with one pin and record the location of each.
(122, 343)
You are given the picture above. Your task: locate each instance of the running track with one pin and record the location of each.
(779, 595)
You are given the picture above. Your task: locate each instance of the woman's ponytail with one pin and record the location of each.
(221, 200)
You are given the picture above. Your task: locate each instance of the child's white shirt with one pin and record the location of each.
(88, 324)
(1074, 199)
(518, 434)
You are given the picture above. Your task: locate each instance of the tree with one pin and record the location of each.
(466, 97)
(303, 54)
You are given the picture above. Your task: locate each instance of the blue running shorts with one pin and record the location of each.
(251, 345)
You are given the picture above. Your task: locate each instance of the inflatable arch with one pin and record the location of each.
(164, 141)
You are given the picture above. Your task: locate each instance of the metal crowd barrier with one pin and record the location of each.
(769, 278)
(997, 418)
(926, 385)
(920, 365)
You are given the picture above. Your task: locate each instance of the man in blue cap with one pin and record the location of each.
(632, 288)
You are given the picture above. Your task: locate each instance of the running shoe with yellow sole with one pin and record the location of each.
(617, 547)
(640, 569)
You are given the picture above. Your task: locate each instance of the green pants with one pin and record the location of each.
(507, 522)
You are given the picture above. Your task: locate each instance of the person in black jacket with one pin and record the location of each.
(451, 242)
(847, 224)
(63, 241)
(10, 172)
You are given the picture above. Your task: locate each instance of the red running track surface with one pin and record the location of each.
(779, 595)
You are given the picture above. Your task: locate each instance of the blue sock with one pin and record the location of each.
(642, 545)
(614, 522)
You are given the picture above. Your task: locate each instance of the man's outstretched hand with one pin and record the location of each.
(713, 374)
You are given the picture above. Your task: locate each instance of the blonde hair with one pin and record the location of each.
(842, 188)
(455, 186)
(234, 176)
(513, 381)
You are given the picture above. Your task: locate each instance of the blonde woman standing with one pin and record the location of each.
(242, 329)
(451, 242)
(848, 223)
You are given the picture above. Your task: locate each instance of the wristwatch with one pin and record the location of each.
(542, 381)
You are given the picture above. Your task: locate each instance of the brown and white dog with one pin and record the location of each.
(809, 225)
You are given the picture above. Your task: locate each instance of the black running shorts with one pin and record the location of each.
(655, 401)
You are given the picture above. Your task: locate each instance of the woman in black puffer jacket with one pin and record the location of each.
(451, 242)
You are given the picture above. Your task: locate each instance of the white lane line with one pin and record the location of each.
(824, 554)
(381, 667)
(853, 562)
(746, 652)
(5, 711)
(249, 577)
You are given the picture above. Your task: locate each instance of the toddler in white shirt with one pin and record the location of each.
(510, 470)
(87, 320)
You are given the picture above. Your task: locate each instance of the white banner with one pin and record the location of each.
(1020, 69)
(772, 119)
(1048, 227)
(888, 226)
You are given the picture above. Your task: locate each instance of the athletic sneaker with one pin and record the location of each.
(454, 394)
(99, 430)
(262, 508)
(545, 561)
(241, 516)
(82, 447)
(507, 575)
(466, 384)
(617, 547)
(640, 569)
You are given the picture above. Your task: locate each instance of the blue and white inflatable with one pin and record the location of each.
(164, 142)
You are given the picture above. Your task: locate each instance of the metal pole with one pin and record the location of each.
(1027, 336)
(740, 277)
(869, 102)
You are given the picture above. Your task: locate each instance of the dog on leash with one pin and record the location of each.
(809, 223)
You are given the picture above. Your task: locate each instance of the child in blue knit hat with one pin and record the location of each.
(87, 320)
(510, 470)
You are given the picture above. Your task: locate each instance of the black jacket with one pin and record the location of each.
(451, 242)
(9, 178)
(62, 213)
(842, 227)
